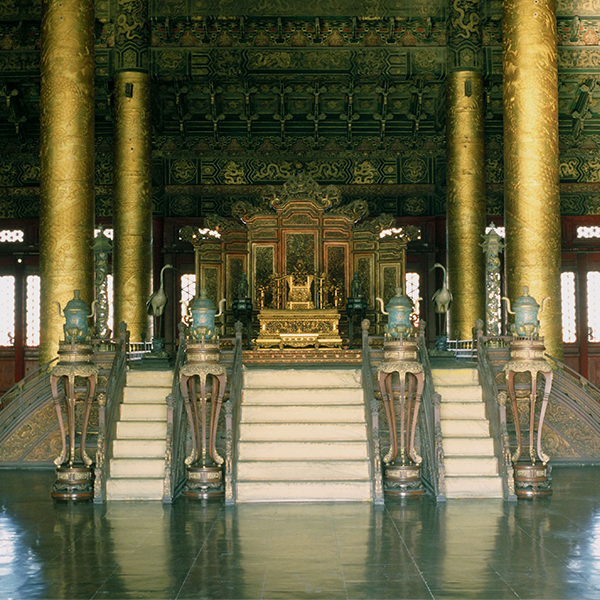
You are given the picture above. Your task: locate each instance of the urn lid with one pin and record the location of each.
(525, 301)
(202, 302)
(76, 304)
(399, 301)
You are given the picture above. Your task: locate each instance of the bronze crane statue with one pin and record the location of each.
(442, 299)
(158, 300)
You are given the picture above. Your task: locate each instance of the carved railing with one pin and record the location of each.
(495, 408)
(108, 414)
(372, 416)
(433, 471)
(177, 430)
(233, 413)
(25, 398)
(577, 394)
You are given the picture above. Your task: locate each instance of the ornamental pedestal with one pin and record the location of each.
(532, 471)
(204, 465)
(74, 478)
(402, 471)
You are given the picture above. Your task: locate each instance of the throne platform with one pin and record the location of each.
(299, 328)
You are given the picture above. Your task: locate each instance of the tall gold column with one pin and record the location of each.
(67, 162)
(132, 196)
(465, 169)
(531, 176)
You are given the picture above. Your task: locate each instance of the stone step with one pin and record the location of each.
(462, 410)
(250, 451)
(319, 396)
(465, 428)
(304, 491)
(149, 379)
(135, 489)
(471, 465)
(308, 377)
(460, 393)
(137, 467)
(461, 446)
(140, 412)
(302, 431)
(131, 448)
(141, 430)
(473, 487)
(462, 376)
(303, 470)
(303, 414)
(142, 395)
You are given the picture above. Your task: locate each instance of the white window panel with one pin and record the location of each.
(569, 315)
(7, 310)
(32, 310)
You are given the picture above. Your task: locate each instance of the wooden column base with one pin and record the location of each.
(204, 483)
(532, 481)
(73, 484)
(403, 481)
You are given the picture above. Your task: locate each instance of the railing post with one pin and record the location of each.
(372, 414)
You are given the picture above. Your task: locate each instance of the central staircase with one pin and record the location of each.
(137, 466)
(470, 463)
(303, 436)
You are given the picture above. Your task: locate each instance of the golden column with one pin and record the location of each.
(531, 176)
(132, 196)
(67, 162)
(465, 169)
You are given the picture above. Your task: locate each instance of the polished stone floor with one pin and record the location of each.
(480, 549)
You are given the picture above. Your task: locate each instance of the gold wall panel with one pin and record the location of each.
(364, 268)
(67, 162)
(132, 205)
(465, 199)
(236, 265)
(531, 166)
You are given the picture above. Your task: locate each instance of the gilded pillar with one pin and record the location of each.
(66, 162)
(132, 194)
(531, 176)
(465, 168)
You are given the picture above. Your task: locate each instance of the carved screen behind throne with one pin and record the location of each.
(299, 247)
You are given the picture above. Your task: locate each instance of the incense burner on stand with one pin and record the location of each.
(74, 478)
(527, 356)
(402, 472)
(202, 367)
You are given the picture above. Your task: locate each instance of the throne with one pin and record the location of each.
(299, 286)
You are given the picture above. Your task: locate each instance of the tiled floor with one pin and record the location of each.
(466, 549)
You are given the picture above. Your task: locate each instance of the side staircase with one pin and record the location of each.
(137, 466)
(471, 465)
(303, 436)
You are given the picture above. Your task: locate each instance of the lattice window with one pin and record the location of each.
(413, 287)
(7, 310)
(109, 233)
(188, 291)
(32, 310)
(12, 235)
(592, 231)
(569, 317)
(593, 302)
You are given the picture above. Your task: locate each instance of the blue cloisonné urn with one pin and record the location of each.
(399, 309)
(204, 311)
(526, 311)
(76, 314)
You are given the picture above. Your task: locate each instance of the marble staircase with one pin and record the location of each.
(470, 462)
(137, 466)
(303, 436)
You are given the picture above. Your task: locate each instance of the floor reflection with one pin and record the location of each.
(548, 548)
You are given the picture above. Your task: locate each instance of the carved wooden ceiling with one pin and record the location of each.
(247, 92)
